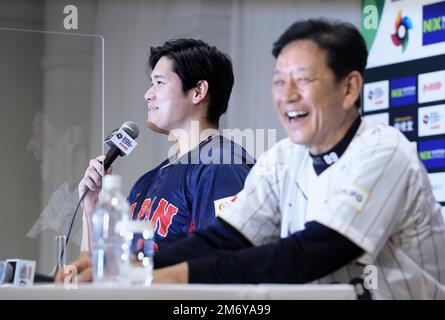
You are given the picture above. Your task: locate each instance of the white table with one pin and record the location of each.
(181, 292)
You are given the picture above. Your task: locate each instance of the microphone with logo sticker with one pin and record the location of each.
(121, 142)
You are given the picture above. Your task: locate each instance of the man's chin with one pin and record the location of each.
(295, 138)
(152, 126)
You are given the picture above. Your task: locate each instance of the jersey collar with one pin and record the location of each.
(174, 159)
(322, 161)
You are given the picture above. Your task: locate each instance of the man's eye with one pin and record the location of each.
(157, 82)
(278, 82)
(303, 80)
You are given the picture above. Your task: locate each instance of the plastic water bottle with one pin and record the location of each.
(108, 246)
(137, 266)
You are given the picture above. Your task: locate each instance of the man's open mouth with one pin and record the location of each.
(292, 115)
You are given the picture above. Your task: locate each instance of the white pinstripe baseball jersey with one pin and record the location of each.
(377, 195)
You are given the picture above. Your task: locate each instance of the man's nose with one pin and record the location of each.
(290, 91)
(149, 94)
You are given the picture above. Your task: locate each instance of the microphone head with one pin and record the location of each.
(131, 128)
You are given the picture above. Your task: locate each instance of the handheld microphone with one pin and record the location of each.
(121, 143)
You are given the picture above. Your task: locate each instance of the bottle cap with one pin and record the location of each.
(111, 181)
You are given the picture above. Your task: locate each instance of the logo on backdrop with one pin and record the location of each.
(403, 91)
(404, 124)
(433, 23)
(376, 95)
(432, 153)
(401, 35)
(406, 121)
(431, 120)
(431, 86)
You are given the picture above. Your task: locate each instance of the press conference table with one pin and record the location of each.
(181, 292)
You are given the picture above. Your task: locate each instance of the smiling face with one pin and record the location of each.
(168, 107)
(315, 109)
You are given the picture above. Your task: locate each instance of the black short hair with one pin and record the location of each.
(343, 44)
(193, 61)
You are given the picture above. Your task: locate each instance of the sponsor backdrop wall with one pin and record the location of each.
(405, 80)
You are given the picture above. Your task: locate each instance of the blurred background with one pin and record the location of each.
(51, 94)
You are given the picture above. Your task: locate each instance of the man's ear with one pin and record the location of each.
(353, 86)
(200, 91)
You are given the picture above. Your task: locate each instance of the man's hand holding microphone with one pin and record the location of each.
(89, 188)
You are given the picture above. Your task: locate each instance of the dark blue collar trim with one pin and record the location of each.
(322, 161)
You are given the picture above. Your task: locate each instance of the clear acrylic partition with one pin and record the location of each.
(51, 102)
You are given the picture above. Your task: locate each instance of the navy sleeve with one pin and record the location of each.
(305, 256)
(219, 236)
(211, 183)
